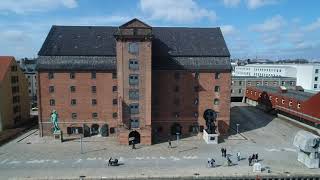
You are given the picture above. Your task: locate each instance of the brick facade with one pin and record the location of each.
(170, 98)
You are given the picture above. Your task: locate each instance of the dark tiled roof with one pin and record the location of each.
(76, 63)
(109, 63)
(99, 41)
(299, 95)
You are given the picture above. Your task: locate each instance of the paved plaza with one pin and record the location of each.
(30, 156)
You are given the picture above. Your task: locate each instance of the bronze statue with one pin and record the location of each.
(210, 116)
(54, 120)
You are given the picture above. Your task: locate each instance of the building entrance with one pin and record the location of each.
(134, 136)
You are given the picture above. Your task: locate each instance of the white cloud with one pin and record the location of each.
(228, 30)
(27, 6)
(295, 37)
(273, 24)
(271, 39)
(95, 20)
(175, 11)
(231, 3)
(313, 26)
(254, 4)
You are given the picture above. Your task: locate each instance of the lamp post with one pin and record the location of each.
(238, 128)
(81, 149)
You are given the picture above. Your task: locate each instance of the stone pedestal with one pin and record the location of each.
(256, 168)
(311, 160)
(210, 138)
(58, 136)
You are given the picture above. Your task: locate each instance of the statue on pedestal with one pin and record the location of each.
(54, 120)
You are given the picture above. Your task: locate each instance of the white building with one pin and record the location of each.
(308, 75)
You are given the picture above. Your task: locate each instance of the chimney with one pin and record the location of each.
(283, 89)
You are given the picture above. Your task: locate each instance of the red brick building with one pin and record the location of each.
(133, 80)
(302, 106)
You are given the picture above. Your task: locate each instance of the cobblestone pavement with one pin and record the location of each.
(32, 156)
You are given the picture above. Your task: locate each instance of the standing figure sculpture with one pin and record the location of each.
(54, 120)
(210, 117)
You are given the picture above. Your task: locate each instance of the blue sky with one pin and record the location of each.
(274, 29)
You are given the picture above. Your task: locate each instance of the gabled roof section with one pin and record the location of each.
(5, 62)
(167, 41)
(134, 23)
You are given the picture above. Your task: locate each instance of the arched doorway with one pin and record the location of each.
(176, 128)
(104, 130)
(135, 136)
(94, 129)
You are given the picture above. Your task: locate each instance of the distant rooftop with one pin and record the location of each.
(299, 95)
(261, 77)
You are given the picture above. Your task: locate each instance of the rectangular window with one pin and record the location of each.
(93, 89)
(52, 102)
(50, 75)
(94, 102)
(317, 71)
(133, 94)
(133, 47)
(133, 64)
(51, 89)
(114, 101)
(13, 68)
(114, 75)
(73, 102)
(240, 83)
(134, 108)
(217, 89)
(114, 88)
(114, 115)
(240, 91)
(94, 115)
(217, 76)
(93, 75)
(16, 99)
(134, 79)
(316, 78)
(74, 115)
(315, 86)
(72, 88)
(134, 123)
(72, 75)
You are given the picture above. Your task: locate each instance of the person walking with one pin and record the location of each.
(238, 156)
(257, 157)
(222, 152)
(225, 152)
(253, 157)
(169, 144)
(250, 160)
(213, 162)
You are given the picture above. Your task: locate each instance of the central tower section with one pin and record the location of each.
(134, 66)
